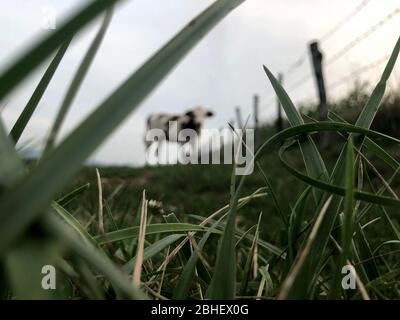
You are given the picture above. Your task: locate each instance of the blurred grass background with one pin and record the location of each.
(201, 189)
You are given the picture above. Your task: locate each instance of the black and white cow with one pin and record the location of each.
(192, 119)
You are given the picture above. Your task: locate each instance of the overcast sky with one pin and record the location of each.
(224, 70)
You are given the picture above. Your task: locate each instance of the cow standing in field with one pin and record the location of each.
(161, 124)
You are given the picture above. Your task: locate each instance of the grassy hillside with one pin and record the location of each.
(202, 189)
(183, 190)
(192, 193)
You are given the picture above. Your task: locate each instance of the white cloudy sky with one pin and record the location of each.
(223, 71)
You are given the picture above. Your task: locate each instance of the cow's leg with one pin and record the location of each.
(147, 145)
(190, 149)
(182, 153)
(158, 152)
(195, 146)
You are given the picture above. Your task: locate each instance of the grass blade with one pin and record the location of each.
(77, 82)
(364, 196)
(159, 228)
(57, 170)
(153, 249)
(223, 282)
(337, 178)
(11, 165)
(185, 280)
(24, 265)
(273, 196)
(101, 211)
(371, 145)
(242, 234)
(250, 260)
(74, 224)
(368, 113)
(40, 51)
(312, 159)
(137, 271)
(33, 102)
(348, 220)
(92, 256)
(67, 198)
(269, 290)
(294, 272)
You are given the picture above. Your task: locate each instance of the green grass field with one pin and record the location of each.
(191, 193)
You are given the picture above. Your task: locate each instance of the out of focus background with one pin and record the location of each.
(222, 73)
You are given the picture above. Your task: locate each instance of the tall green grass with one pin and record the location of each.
(206, 257)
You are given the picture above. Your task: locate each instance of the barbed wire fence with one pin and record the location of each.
(302, 80)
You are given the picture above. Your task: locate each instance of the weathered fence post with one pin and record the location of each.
(317, 57)
(239, 117)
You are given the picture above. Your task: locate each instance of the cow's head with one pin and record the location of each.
(198, 114)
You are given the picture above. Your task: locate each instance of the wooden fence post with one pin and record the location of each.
(239, 117)
(317, 58)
